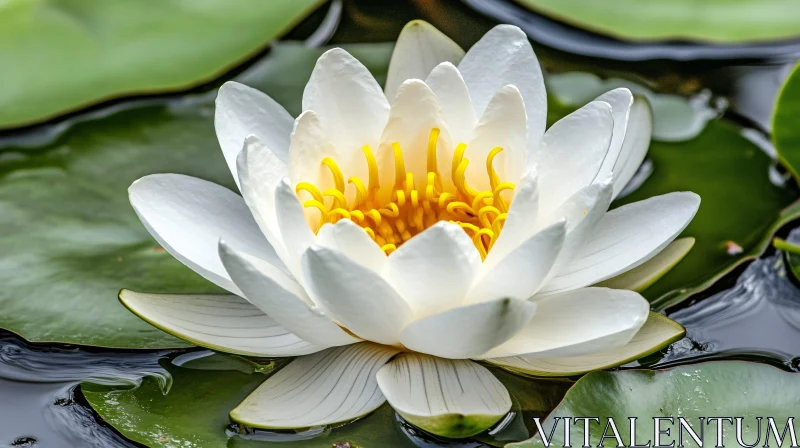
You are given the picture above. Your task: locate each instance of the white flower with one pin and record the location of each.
(392, 241)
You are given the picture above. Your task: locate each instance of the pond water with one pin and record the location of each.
(752, 313)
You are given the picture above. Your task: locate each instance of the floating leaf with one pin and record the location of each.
(69, 239)
(675, 118)
(739, 389)
(721, 21)
(61, 55)
(785, 131)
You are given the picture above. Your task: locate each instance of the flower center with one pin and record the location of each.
(413, 206)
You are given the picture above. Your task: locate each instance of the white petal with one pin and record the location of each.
(334, 386)
(355, 296)
(504, 56)
(296, 234)
(577, 323)
(308, 147)
(242, 111)
(621, 100)
(572, 151)
(349, 103)
(634, 148)
(225, 323)
(449, 398)
(468, 331)
(657, 333)
(520, 222)
(258, 189)
(447, 83)
(627, 237)
(415, 112)
(521, 273)
(351, 240)
(419, 48)
(583, 212)
(279, 296)
(501, 125)
(644, 275)
(434, 270)
(188, 216)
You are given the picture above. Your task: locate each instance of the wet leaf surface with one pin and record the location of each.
(69, 54)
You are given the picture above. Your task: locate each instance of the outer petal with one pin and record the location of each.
(621, 100)
(349, 103)
(627, 237)
(281, 298)
(351, 240)
(468, 331)
(577, 323)
(572, 153)
(355, 296)
(334, 386)
(637, 140)
(504, 56)
(434, 270)
(225, 323)
(188, 216)
(658, 332)
(521, 273)
(449, 398)
(258, 189)
(501, 125)
(242, 111)
(419, 48)
(447, 83)
(644, 275)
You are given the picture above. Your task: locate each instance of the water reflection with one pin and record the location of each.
(758, 317)
(37, 386)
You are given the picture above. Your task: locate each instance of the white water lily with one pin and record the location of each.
(391, 239)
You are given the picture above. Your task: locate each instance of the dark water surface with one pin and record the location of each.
(753, 313)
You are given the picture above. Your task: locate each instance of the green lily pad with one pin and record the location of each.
(729, 388)
(194, 412)
(740, 210)
(719, 21)
(69, 239)
(61, 55)
(785, 132)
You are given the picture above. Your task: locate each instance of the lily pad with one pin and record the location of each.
(721, 166)
(61, 55)
(194, 411)
(718, 21)
(69, 239)
(785, 132)
(741, 389)
(675, 118)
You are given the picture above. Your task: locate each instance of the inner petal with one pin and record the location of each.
(414, 204)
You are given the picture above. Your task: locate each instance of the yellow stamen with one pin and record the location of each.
(394, 217)
(338, 178)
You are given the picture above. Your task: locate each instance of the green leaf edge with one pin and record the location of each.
(680, 333)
